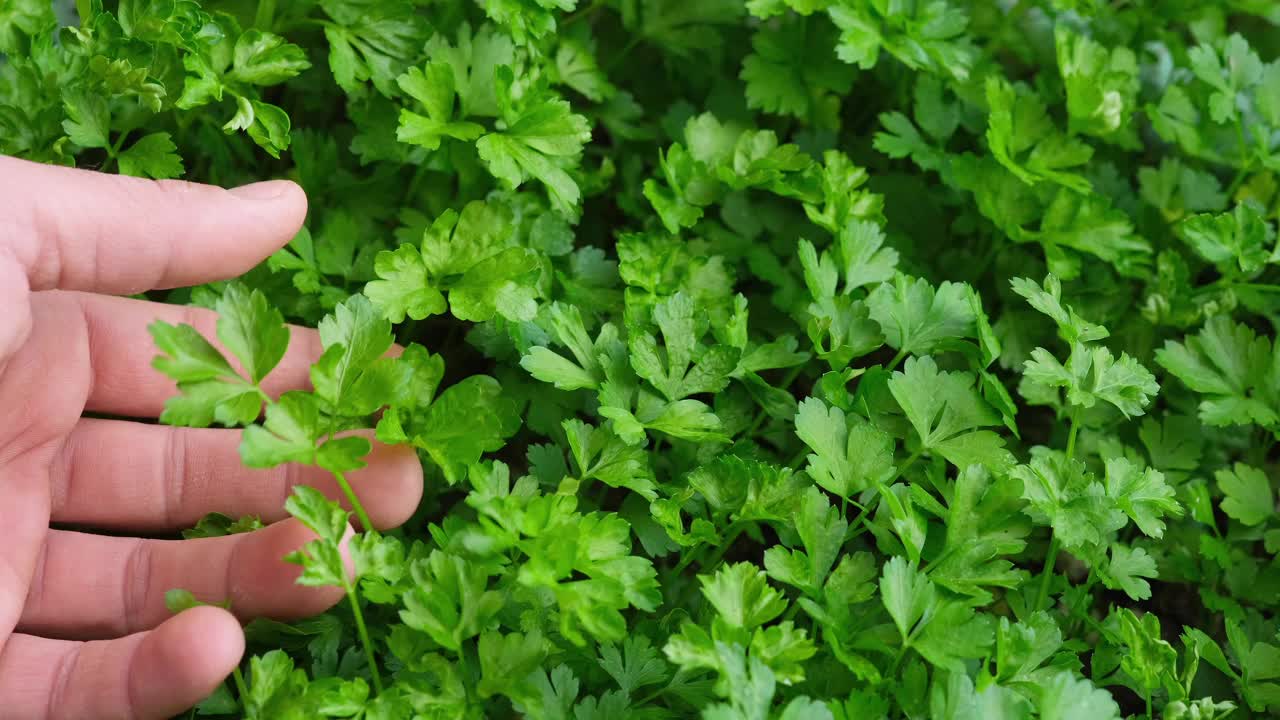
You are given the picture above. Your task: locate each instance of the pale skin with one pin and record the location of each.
(84, 632)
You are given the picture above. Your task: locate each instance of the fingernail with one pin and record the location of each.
(261, 191)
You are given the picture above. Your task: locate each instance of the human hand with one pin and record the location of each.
(84, 632)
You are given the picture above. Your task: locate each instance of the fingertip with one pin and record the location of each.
(220, 634)
(392, 484)
(266, 585)
(185, 659)
(282, 203)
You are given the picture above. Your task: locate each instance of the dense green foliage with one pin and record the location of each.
(767, 359)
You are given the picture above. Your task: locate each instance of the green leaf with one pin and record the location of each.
(372, 40)
(1236, 371)
(598, 454)
(154, 156)
(1023, 138)
(786, 74)
(637, 665)
(1102, 87)
(1249, 498)
(907, 594)
(323, 516)
(263, 58)
(742, 596)
(850, 455)
(188, 356)
(1240, 241)
(957, 699)
(450, 599)
(270, 128)
(1093, 374)
(822, 532)
(1149, 659)
(540, 137)
(290, 433)
(682, 367)
(470, 255)
(507, 659)
(1066, 697)
(469, 419)
(945, 409)
(923, 37)
(918, 319)
(984, 527)
(433, 87)
(1142, 494)
(321, 560)
(1127, 569)
(88, 122)
(1063, 494)
(252, 329)
(352, 375)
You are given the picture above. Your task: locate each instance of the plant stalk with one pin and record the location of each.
(911, 460)
(1071, 434)
(365, 524)
(266, 15)
(897, 359)
(242, 687)
(354, 598)
(1051, 559)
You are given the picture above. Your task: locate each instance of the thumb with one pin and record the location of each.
(15, 306)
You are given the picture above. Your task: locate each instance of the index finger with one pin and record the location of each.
(83, 230)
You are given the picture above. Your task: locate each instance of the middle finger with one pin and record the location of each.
(119, 474)
(120, 349)
(92, 586)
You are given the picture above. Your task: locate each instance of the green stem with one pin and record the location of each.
(365, 524)
(1071, 434)
(1238, 180)
(911, 459)
(464, 668)
(856, 527)
(791, 612)
(893, 364)
(266, 14)
(1019, 9)
(936, 562)
(1244, 147)
(650, 697)
(718, 555)
(114, 149)
(622, 55)
(415, 184)
(1082, 612)
(242, 688)
(755, 424)
(763, 416)
(1147, 695)
(354, 598)
(307, 22)
(1051, 558)
(581, 14)
(405, 334)
(119, 143)
(897, 659)
(791, 376)
(804, 452)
